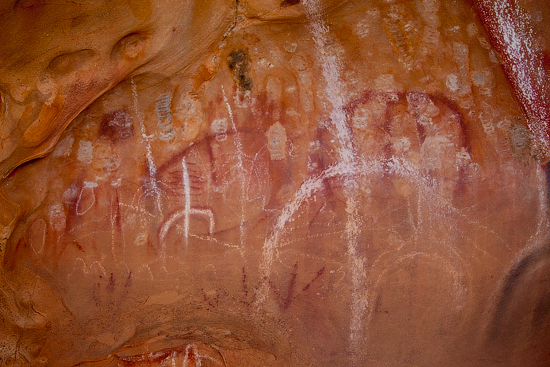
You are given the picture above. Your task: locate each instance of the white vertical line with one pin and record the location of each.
(187, 197)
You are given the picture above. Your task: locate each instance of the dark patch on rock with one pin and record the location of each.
(116, 126)
(517, 276)
(289, 2)
(546, 169)
(238, 62)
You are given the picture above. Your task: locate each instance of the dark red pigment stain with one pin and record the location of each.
(285, 300)
(117, 215)
(116, 126)
(63, 247)
(116, 218)
(319, 273)
(245, 289)
(245, 283)
(289, 3)
(112, 284)
(291, 286)
(213, 302)
(545, 56)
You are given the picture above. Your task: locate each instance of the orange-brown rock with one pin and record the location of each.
(274, 183)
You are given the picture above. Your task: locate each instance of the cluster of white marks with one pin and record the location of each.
(512, 27)
(149, 153)
(362, 28)
(164, 114)
(240, 154)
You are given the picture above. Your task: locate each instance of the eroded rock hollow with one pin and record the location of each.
(274, 183)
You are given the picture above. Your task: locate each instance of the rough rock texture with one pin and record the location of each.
(274, 183)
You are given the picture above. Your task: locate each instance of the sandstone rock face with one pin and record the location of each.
(274, 183)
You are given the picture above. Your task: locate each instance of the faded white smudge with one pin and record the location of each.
(276, 141)
(452, 82)
(64, 147)
(141, 239)
(471, 29)
(85, 153)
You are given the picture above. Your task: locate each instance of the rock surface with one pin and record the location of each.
(274, 183)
